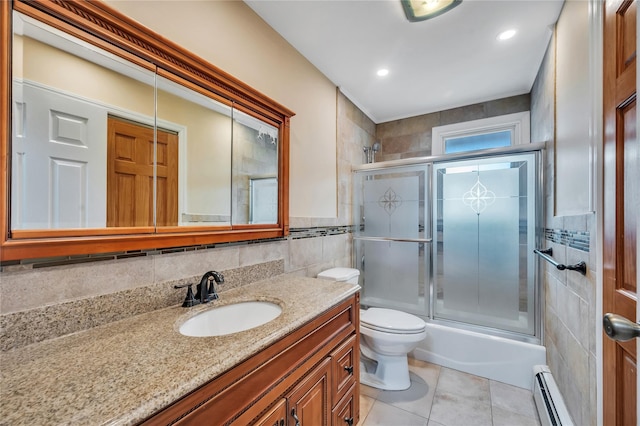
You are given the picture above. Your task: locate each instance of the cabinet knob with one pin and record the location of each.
(349, 421)
(349, 369)
(295, 416)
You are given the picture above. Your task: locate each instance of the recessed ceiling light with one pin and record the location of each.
(506, 35)
(382, 72)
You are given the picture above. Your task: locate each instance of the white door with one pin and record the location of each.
(59, 156)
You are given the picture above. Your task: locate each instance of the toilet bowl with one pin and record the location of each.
(386, 337)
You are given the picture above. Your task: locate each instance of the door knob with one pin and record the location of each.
(619, 328)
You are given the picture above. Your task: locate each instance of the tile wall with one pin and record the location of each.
(570, 301)
(411, 137)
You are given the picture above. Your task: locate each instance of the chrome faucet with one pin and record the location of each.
(206, 290)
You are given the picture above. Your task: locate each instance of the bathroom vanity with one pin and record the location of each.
(306, 378)
(300, 368)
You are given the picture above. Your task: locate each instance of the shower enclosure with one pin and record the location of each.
(451, 239)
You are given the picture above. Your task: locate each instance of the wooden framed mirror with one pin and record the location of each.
(114, 139)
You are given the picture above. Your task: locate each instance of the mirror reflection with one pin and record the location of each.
(101, 142)
(202, 129)
(60, 126)
(255, 170)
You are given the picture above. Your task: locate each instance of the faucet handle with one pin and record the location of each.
(213, 295)
(189, 299)
(218, 278)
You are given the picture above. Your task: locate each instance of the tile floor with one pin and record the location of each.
(440, 396)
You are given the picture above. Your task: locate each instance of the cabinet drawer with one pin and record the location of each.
(346, 411)
(345, 362)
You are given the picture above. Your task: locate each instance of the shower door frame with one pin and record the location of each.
(425, 241)
(538, 293)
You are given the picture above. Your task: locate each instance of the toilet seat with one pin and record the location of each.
(391, 321)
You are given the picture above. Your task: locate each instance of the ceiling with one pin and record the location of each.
(445, 62)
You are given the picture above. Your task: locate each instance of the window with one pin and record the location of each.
(494, 132)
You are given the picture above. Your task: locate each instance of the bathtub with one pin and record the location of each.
(495, 358)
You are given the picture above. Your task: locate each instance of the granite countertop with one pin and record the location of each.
(123, 372)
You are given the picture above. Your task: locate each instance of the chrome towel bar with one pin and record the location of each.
(546, 255)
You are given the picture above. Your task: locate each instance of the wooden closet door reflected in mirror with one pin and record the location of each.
(130, 175)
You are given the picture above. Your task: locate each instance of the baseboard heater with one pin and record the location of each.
(549, 403)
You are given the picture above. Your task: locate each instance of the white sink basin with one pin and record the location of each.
(230, 319)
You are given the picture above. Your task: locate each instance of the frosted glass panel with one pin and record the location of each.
(459, 231)
(484, 231)
(390, 209)
(386, 280)
(498, 240)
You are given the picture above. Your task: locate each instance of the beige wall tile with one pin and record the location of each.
(335, 247)
(33, 288)
(304, 252)
(194, 263)
(265, 252)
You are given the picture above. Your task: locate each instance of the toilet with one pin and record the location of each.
(386, 337)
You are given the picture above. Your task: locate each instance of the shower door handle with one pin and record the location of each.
(620, 328)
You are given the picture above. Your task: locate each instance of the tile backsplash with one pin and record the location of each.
(21, 328)
(39, 303)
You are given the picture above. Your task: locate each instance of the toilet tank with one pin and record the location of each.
(349, 275)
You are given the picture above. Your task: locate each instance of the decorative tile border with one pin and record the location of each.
(320, 231)
(578, 240)
(294, 233)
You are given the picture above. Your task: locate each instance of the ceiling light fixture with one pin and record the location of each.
(382, 72)
(506, 35)
(420, 10)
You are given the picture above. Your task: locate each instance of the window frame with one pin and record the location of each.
(518, 123)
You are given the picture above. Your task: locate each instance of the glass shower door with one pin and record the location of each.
(484, 231)
(391, 240)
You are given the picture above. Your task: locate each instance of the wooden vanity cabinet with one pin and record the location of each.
(308, 375)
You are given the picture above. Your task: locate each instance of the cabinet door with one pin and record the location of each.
(346, 367)
(276, 416)
(310, 401)
(346, 411)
